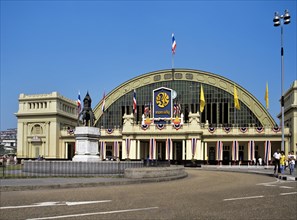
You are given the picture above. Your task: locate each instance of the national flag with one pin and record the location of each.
(236, 101)
(176, 109)
(266, 96)
(134, 102)
(202, 99)
(146, 110)
(173, 46)
(103, 103)
(78, 103)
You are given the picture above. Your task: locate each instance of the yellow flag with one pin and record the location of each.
(202, 100)
(266, 96)
(236, 102)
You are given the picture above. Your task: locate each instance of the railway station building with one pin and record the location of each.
(167, 122)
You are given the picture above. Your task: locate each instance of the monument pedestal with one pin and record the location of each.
(86, 144)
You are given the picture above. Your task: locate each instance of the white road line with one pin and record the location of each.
(94, 213)
(241, 198)
(269, 183)
(286, 187)
(289, 193)
(43, 204)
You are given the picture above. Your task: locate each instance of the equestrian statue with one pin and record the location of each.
(87, 114)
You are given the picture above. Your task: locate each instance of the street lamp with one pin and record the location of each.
(278, 22)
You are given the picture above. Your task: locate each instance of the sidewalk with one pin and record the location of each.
(76, 182)
(263, 170)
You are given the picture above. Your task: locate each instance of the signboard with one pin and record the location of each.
(162, 105)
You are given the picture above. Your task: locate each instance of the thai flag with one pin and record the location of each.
(103, 103)
(78, 103)
(173, 46)
(134, 102)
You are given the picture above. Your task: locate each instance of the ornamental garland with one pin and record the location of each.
(243, 129)
(145, 126)
(276, 129)
(109, 131)
(211, 129)
(177, 126)
(259, 129)
(160, 126)
(227, 129)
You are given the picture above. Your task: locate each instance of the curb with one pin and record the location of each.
(92, 184)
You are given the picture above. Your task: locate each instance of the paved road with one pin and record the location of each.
(202, 195)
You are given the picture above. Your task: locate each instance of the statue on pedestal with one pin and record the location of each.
(87, 114)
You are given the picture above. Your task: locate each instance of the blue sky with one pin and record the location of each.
(71, 46)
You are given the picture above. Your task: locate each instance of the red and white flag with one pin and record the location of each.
(134, 102)
(173, 46)
(103, 103)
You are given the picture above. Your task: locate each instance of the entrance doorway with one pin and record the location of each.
(226, 157)
(212, 156)
(70, 151)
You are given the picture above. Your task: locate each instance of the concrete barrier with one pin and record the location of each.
(154, 172)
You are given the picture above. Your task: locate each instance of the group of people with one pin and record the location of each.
(281, 162)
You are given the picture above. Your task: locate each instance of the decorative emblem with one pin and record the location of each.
(162, 99)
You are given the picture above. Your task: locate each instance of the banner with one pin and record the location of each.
(267, 156)
(152, 148)
(168, 147)
(219, 150)
(128, 142)
(194, 143)
(162, 105)
(251, 150)
(235, 150)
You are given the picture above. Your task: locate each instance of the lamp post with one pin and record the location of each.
(278, 22)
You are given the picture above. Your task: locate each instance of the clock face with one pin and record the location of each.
(162, 99)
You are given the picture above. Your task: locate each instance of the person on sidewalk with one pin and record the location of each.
(282, 162)
(291, 159)
(276, 157)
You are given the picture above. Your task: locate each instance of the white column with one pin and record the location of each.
(205, 151)
(184, 150)
(199, 150)
(138, 150)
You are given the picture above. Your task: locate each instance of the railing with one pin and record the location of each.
(74, 168)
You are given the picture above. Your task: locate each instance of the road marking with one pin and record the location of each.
(269, 183)
(241, 198)
(286, 187)
(43, 204)
(94, 213)
(289, 193)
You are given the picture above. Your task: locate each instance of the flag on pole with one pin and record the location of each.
(173, 46)
(236, 101)
(202, 99)
(78, 103)
(266, 96)
(134, 102)
(103, 103)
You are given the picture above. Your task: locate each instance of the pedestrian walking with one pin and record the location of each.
(260, 161)
(282, 162)
(276, 157)
(291, 159)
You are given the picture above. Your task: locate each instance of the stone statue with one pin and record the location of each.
(88, 117)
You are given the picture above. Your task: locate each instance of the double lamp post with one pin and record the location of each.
(279, 20)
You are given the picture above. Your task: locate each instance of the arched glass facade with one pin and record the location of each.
(219, 109)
